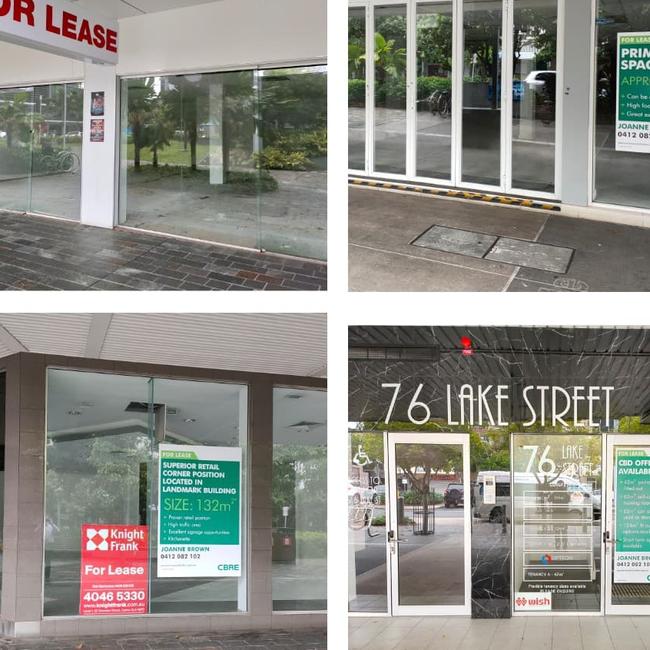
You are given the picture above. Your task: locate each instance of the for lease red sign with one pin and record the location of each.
(114, 570)
(59, 26)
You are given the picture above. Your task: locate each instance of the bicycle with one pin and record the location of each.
(63, 161)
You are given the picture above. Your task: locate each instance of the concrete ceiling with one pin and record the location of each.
(129, 8)
(289, 344)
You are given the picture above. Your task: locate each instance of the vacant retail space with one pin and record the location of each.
(523, 633)
(402, 241)
(163, 473)
(215, 131)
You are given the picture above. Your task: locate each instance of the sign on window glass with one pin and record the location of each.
(199, 514)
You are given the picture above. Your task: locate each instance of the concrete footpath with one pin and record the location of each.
(296, 640)
(412, 242)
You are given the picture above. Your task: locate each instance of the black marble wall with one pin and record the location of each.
(491, 548)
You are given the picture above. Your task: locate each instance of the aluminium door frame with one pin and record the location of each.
(613, 440)
(394, 609)
(513, 590)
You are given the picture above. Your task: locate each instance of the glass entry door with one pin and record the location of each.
(509, 74)
(429, 523)
(627, 534)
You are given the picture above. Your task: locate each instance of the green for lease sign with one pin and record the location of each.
(633, 92)
(199, 511)
(632, 530)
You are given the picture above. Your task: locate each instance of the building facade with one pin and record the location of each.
(498, 471)
(85, 445)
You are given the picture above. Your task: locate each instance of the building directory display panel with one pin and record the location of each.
(632, 497)
(633, 93)
(199, 513)
(556, 490)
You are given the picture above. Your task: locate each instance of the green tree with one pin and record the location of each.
(141, 96)
(160, 127)
(15, 119)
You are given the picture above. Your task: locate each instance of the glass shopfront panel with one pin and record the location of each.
(434, 32)
(534, 99)
(299, 492)
(103, 437)
(620, 177)
(41, 134)
(234, 157)
(557, 501)
(390, 89)
(357, 88)
(482, 80)
(367, 580)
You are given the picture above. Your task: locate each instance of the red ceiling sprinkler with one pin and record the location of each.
(466, 342)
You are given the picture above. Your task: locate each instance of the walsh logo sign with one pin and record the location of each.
(533, 601)
(60, 28)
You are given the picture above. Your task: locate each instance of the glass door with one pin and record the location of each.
(482, 93)
(429, 523)
(509, 72)
(557, 546)
(534, 103)
(627, 534)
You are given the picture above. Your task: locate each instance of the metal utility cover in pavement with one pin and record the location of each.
(453, 240)
(531, 255)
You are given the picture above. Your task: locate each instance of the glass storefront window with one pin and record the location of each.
(299, 493)
(620, 177)
(557, 481)
(434, 31)
(481, 122)
(367, 581)
(103, 436)
(357, 88)
(41, 133)
(534, 95)
(232, 157)
(390, 89)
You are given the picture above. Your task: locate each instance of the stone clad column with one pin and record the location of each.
(22, 560)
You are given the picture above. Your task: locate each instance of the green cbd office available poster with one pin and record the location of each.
(199, 511)
(633, 92)
(632, 490)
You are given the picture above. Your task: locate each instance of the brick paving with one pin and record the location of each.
(46, 254)
(298, 640)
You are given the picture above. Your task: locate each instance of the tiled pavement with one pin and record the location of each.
(518, 633)
(298, 640)
(46, 254)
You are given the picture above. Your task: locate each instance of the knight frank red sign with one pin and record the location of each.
(114, 570)
(61, 28)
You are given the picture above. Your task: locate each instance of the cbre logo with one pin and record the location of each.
(97, 540)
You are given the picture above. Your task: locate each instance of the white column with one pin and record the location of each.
(99, 175)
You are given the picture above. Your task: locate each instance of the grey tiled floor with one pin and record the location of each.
(520, 633)
(46, 254)
(303, 640)
(382, 225)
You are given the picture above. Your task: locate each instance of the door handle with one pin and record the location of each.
(607, 539)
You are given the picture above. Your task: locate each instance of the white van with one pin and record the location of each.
(492, 511)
